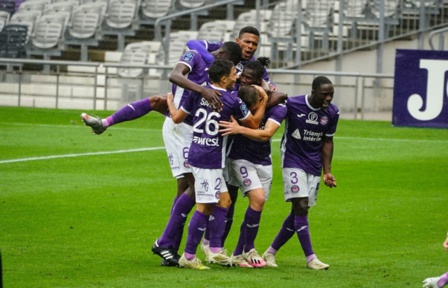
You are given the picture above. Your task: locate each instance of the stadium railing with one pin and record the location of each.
(98, 86)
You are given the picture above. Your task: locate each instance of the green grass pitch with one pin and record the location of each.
(80, 210)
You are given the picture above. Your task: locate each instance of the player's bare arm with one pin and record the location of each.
(327, 155)
(232, 127)
(275, 98)
(254, 120)
(178, 115)
(177, 77)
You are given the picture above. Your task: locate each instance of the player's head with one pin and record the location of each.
(322, 92)
(223, 74)
(250, 96)
(230, 51)
(248, 39)
(253, 72)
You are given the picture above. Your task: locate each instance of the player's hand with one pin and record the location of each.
(272, 87)
(212, 97)
(262, 93)
(329, 180)
(229, 127)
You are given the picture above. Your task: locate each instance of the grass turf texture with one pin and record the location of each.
(88, 219)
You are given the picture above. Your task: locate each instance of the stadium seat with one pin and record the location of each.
(213, 31)
(85, 28)
(154, 9)
(47, 39)
(37, 7)
(27, 18)
(189, 4)
(8, 6)
(4, 19)
(121, 20)
(134, 54)
(13, 39)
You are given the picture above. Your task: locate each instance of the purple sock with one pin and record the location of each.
(285, 233)
(443, 280)
(217, 225)
(239, 249)
(252, 219)
(174, 203)
(229, 222)
(303, 233)
(175, 225)
(196, 229)
(129, 112)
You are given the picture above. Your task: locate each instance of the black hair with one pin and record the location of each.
(219, 69)
(257, 69)
(250, 30)
(319, 81)
(265, 61)
(249, 95)
(232, 51)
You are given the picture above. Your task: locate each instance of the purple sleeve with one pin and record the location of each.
(203, 48)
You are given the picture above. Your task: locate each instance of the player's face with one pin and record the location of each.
(231, 79)
(323, 96)
(249, 44)
(247, 78)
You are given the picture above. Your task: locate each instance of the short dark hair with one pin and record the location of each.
(250, 30)
(232, 51)
(319, 81)
(219, 69)
(257, 69)
(249, 95)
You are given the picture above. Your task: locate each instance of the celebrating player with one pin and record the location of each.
(307, 150)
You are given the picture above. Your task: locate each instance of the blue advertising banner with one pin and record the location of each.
(420, 89)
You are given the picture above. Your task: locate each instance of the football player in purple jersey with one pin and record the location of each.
(248, 39)
(307, 151)
(441, 281)
(207, 158)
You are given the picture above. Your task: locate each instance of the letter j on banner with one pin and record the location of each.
(421, 89)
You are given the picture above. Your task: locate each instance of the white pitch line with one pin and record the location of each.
(80, 155)
(162, 147)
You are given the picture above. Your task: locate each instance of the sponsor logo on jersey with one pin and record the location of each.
(211, 142)
(312, 118)
(301, 115)
(296, 134)
(187, 57)
(186, 164)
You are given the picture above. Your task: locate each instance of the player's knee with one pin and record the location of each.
(224, 200)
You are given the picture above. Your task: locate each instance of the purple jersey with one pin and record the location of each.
(304, 130)
(203, 47)
(207, 149)
(257, 152)
(198, 74)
